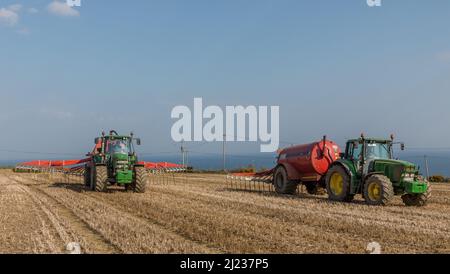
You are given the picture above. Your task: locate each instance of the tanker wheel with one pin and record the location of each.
(140, 180)
(100, 179)
(281, 182)
(314, 188)
(378, 190)
(417, 199)
(338, 185)
(87, 176)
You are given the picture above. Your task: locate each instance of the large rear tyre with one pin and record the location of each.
(338, 185)
(281, 182)
(140, 180)
(417, 199)
(378, 190)
(100, 179)
(87, 176)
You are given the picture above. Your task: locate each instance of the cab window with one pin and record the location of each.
(378, 151)
(118, 146)
(354, 151)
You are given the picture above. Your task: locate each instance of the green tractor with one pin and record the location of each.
(368, 167)
(114, 162)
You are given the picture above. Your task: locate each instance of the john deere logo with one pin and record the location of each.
(374, 3)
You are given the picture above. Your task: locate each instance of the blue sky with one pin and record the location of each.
(333, 67)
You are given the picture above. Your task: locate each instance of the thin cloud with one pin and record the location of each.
(33, 10)
(15, 8)
(8, 17)
(62, 9)
(23, 31)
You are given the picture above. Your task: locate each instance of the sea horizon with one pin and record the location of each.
(438, 161)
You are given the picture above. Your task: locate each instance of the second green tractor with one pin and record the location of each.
(368, 167)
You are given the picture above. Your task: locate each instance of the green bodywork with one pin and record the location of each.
(118, 155)
(404, 175)
(124, 176)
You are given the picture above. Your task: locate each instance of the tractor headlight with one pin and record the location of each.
(409, 177)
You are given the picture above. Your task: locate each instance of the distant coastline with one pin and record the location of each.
(439, 162)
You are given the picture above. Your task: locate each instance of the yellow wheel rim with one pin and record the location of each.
(337, 184)
(374, 191)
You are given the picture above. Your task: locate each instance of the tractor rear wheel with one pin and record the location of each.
(281, 182)
(101, 179)
(417, 199)
(87, 176)
(140, 183)
(378, 190)
(338, 185)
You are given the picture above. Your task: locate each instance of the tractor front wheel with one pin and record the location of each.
(378, 190)
(140, 180)
(281, 182)
(100, 179)
(417, 199)
(338, 185)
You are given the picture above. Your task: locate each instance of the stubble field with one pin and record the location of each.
(199, 213)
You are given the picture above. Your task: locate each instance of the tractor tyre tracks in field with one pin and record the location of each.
(203, 215)
(70, 228)
(149, 236)
(215, 249)
(332, 224)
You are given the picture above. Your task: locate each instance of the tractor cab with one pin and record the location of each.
(364, 152)
(368, 149)
(119, 146)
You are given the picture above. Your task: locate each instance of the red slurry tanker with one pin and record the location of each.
(307, 164)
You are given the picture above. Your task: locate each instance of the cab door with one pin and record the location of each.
(355, 154)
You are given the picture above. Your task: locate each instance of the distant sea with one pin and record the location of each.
(439, 161)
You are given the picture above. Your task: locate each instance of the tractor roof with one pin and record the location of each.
(117, 137)
(376, 140)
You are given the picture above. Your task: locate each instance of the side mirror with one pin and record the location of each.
(402, 146)
(138, 141)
